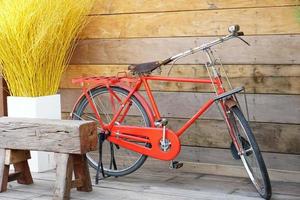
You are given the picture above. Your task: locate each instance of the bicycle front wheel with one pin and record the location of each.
(250, 154)
(107, 103)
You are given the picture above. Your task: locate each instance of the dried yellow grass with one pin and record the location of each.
(37, 38)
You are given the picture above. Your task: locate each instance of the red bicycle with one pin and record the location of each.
(130, 128)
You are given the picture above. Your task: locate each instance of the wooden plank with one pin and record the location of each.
(281, 79)
(239, 171)
(271, 137)
(4, 171)
(168, 185)
(64, 170)
(281, 167)
(16, 156)
(262, 107)
(14, 176)
(193, 23)
(138, 6)
(220, 156)
(143, 187)
(280, 138)
(81, 172)
(193, 71)
(48, 135)
(3, 94)
(273, 49)
(25, 177)
(156, 166)
(288, 162)
(76, 183)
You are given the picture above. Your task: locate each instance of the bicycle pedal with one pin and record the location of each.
(175, 164)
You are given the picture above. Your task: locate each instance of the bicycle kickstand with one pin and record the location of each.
(101, 137)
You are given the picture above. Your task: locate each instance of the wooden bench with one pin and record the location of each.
(70, 140)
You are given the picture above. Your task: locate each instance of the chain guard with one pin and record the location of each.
(119, 136)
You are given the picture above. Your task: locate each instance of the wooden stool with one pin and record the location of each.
(69, 140)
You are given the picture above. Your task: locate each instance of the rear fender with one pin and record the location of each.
(141, 99)
(127, 88)
(80, 97)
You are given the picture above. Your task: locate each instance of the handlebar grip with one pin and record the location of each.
(240, 33)
(164, 62)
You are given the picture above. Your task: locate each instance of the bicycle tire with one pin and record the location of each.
(263, 186)
(92, 157)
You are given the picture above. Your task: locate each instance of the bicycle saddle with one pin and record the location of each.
(144, 67)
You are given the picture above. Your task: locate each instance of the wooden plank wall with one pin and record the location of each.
(3, 94)
(134, 31)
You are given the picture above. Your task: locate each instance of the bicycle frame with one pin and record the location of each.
(116, 132)
(132, 133)
(144, 80)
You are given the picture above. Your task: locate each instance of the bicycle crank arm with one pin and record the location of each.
(134, 138)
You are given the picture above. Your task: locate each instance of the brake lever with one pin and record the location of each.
(243, 40)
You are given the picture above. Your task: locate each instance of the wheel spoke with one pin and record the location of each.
(134, 113)
(90, 116)
(250, 154)
(99, 104)
(248, 150)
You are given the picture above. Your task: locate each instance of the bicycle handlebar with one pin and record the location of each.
(240, 33)
(234, 33)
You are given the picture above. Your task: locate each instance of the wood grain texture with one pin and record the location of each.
(81, 172)
(280, 138)
(138, 6)
(4, 171)
(277, 161)
(14, 176)
(3, 94)
(273, 49)
(262, 107)
(48, 135)
(16, 156)
(271, 137)
(25, 177)
(229, 170)
(280, 79)
(162, 183)
(64, 170)
(193, 23)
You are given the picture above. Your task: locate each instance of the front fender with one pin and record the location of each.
(230, 103)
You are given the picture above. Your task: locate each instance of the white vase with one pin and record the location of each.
(47, 107)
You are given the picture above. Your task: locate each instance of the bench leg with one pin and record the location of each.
(4, 171)
(25, 176)
(81, 172)
(22, 173)
(64, 170)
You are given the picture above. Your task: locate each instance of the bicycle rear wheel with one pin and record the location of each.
(250, 155)
(126, 161)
